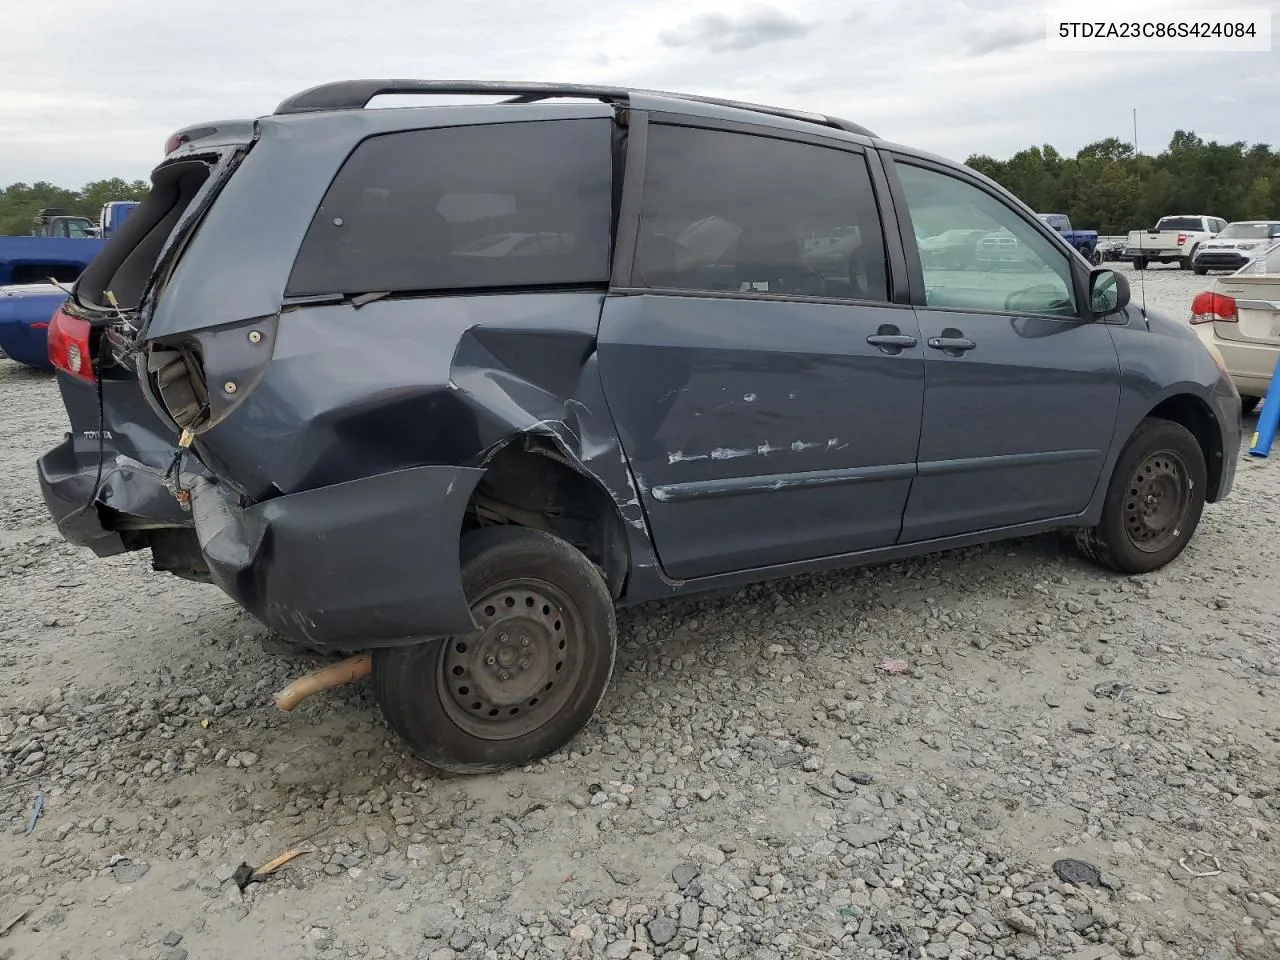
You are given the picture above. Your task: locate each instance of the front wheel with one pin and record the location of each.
(1154, 500)
(532, 676)
(1199, 270)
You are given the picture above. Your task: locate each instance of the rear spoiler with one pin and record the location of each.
(219, 133)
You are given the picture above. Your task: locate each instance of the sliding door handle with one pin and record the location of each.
(899, 340)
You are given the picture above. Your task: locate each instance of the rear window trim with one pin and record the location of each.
(616, 173)
(335, 299)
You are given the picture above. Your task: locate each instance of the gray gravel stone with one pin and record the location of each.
(662, 930)
(683, 874)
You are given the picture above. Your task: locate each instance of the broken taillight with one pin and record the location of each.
(69, 349)
(1208, 307)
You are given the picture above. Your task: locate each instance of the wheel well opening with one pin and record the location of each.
(1192, 413)
(528, 483)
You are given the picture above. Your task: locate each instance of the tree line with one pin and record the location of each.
(1108, 187)
(21, 202)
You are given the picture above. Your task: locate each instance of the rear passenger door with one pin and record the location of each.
(1021, 389)
(758, 354)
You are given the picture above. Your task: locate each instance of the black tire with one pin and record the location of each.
(1154, 500)
(1139, 264)
(1249, 404)
(548, 631)
(1199, 270)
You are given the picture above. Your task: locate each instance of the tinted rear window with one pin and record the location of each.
(504, 205)
(1181, 223)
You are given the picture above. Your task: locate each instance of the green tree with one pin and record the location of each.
(1108, 188)
(21, 202)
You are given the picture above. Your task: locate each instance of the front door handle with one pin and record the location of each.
(953, 345)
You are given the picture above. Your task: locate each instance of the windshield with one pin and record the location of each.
(1180, 223)
(1249, 231)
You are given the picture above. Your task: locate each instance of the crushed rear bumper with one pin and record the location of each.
(67, 477)
(366, 563)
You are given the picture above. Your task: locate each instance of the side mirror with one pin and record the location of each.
(1108, 291)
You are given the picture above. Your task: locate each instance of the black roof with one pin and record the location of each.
(356, 94)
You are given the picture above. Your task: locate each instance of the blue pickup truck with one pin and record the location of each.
(1086, 241)
(114, 213)
(58, 248)
(25, 311)
(32, 271)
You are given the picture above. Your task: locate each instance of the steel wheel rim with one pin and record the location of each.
(518, 671)
(1155, 501)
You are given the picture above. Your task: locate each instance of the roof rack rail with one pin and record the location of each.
(356, 94)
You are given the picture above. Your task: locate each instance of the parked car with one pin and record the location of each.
(1239, 316)
(1171, 240)
(1086, 241)
(1234, 246)
(462, 463)
(999, 249)
(1111, 248)
(955, 248)
(25, 312)
(56, 222)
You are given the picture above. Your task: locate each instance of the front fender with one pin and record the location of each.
(1161, 362)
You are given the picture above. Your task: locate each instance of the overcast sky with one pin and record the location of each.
(91, 90)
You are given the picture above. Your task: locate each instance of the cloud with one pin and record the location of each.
(1007, 36)
(954, 77)
(718, 32)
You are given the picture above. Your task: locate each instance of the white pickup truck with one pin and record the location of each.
(1172, 240)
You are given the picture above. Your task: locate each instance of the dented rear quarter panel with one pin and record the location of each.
(359, 404)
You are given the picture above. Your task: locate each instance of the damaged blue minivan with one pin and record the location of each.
(438, 387)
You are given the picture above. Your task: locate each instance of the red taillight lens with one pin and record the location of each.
(1209, 307)
(69, 349)
(1182, 238)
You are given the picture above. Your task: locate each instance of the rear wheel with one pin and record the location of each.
(1249, 404)
(1199, 270)
(1154, 500)
(1139, 264)
(528, 680)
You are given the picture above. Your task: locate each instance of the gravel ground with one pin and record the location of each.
(754, 786)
